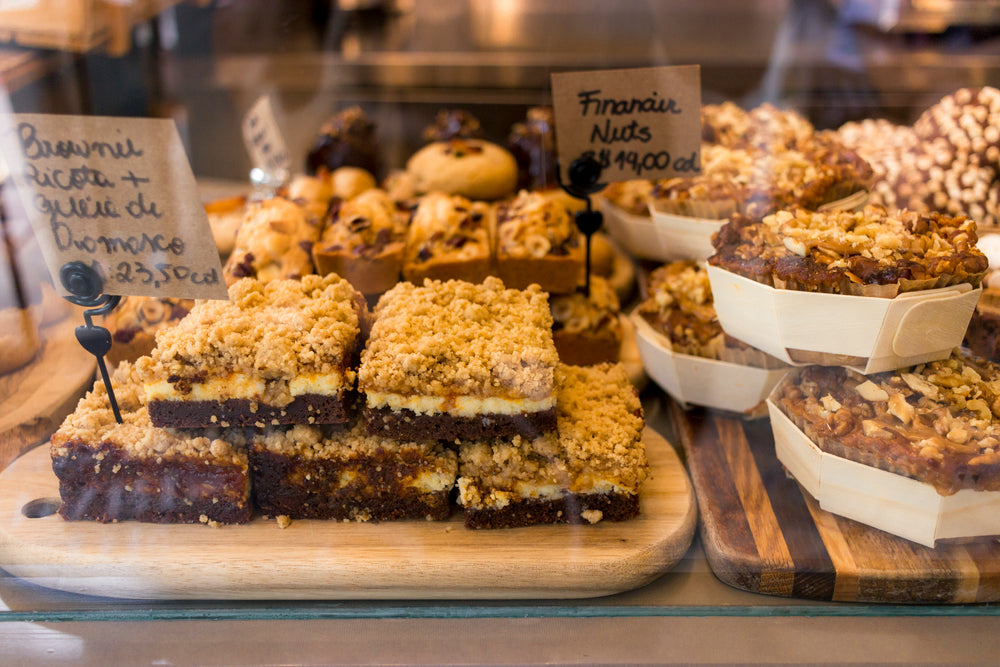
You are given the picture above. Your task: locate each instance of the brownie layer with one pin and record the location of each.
(314, 489)
(304, 409)
(408, 425)
(104, 485)
(568, 509)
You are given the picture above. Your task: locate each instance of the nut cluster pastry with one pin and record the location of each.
(938, 423)
(757, 181)
(680, 307)
(947, 162)
(765, 127)
(869, 253)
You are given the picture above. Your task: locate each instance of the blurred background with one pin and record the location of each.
(204, 63)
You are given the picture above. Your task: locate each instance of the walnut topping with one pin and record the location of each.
(835, 251)
(939, 412)
(680, 306)
(631, 196)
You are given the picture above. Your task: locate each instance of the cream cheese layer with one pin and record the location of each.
(241, 386)
(460, 406)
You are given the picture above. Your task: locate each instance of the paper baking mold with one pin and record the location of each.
(895, 504)
(711, 383)
(868, 334)
(684, 237)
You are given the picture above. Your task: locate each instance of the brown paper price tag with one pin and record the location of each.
(118, 195)
(637, 123)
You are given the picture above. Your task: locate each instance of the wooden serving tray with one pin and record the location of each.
(334, 560)
(35, 399)
(762, 533)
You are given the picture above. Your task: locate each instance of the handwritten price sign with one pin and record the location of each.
(117, 194)
(637, 123)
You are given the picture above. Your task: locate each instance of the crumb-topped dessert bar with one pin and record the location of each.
(116, 472)
(537, 241)
(276, 353)
(459, 360)
(872, 252)
(938, 423)
(339, 473)
(363, 241)
(591, 468)
(274, 241)
(448, 238)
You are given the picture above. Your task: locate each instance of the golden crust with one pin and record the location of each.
(470, 168)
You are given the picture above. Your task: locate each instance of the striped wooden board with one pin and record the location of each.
(763, 534)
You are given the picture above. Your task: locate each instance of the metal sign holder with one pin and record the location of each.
(584, 176)
(85, 286)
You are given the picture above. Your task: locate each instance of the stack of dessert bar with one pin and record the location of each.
(475, 365)
(250, 404)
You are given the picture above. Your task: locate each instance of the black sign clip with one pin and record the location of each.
(584, 177)
(85, 286)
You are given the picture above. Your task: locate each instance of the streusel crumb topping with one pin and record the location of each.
(599, 432)
(534, 225)
(456, 338)
(93, 424)
(277, 330)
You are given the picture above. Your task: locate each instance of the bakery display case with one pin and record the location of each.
(731, 413)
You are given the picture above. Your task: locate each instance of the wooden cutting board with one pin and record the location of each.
(331, 560)
(762, 533)
(35, 399)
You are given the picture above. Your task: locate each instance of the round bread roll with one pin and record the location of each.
(470, 168)
(349, 182)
